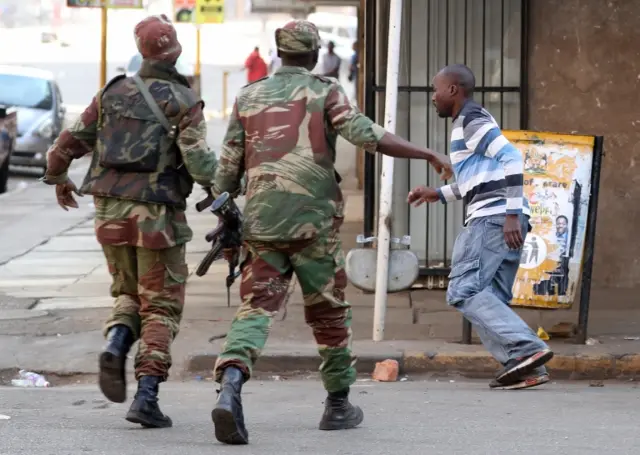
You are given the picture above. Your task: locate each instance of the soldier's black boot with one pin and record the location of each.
(144, 409)
(112, 378)
(339, 413)
(227, 416)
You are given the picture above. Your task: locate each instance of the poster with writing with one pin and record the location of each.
(557, 183)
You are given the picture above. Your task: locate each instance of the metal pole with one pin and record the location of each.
(386, 178)
(103, 44)
(590, 241)
(370, 104)
(225, 93)
(198, 52)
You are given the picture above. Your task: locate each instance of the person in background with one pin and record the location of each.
(256, 66)
(353, 68)
(331, 62)
(276, 61)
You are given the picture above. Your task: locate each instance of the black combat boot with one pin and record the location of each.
(227, 416)
(339, 414)
(112, 380)
(144, 409)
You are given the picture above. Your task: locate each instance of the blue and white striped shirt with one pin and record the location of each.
(488, 168)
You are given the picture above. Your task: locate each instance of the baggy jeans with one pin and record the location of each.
(482, 275)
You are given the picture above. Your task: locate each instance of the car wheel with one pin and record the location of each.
(4, 176)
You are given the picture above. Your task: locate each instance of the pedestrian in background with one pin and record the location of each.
(486, 254)
(331, 62)
(276, 61)
(293, 212)
(147, 138)
(256, 66)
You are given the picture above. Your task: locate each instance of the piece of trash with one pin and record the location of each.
(4, 417)
(101, 406)
(596, 384)
(632, 338)
(78, 403)
(198, 378)
(404, 379)
(363, 392)
(30, 379)
(386, 371)
(592, 342)
(544, 336)
(452, 381)
(22, 185)
(276, 378)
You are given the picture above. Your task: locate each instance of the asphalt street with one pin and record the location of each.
(422, 417)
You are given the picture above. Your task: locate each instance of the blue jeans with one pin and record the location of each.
(482, 275)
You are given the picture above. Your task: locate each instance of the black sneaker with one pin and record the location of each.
(516, 369)
(527, 382)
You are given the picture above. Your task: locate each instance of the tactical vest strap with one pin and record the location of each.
(151, 102)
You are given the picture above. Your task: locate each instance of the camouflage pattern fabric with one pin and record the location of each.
(149, 288)
(266, 274)
(282, 133)
(121, 220)
(135, 158)
(297, 37)
(152, 226)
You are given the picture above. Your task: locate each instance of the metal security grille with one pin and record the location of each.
(489, 36)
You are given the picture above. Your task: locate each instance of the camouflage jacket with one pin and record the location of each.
(121, 220)
(283, 133)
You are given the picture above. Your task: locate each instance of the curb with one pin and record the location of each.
(282, 364)
(467, 364)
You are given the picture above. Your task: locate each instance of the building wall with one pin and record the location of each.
(584, 77)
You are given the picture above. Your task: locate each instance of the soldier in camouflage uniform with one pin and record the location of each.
(283, 133)
(140, 176)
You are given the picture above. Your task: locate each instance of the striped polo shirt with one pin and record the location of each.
(487, 167)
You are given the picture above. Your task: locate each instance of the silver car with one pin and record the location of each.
(37, 100)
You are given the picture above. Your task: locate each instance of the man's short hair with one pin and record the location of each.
(462, 76)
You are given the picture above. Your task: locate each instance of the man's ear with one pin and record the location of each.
(453, 89)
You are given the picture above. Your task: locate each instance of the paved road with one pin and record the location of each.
(406, 417)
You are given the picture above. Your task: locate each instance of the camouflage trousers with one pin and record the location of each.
(149, 288)
(266, 275)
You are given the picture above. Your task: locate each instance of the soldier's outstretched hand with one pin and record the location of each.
(442, 164)
(64, 194)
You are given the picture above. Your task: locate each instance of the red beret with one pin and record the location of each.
(157, 39)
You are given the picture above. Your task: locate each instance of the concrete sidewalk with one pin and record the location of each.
(54, 297)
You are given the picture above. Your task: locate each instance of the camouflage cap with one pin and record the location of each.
(298, 37)
(157, 39)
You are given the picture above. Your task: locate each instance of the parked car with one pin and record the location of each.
(182, 65)
(36, 97)
(8, 129)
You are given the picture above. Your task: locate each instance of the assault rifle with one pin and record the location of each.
(227, 234)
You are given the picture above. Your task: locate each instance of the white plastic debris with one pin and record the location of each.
(4, 417)
(592, 342)
(30, 379)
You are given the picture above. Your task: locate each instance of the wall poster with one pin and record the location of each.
(557, 183)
